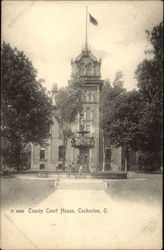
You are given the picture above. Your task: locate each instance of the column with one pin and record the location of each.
(32, 155)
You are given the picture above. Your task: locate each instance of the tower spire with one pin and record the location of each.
(86, 31)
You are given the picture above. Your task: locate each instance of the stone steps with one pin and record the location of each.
(71, 176)
(81, 185)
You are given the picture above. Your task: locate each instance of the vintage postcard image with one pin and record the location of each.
(81, 131)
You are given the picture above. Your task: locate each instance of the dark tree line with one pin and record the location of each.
(134, 119)
(27, 110)
(26, 107)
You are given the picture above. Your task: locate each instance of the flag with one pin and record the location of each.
(93, 20)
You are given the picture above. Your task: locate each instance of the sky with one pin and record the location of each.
(52, 32)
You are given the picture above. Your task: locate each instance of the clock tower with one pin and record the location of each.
(88, 144)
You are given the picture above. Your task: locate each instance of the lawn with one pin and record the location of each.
(27, 192)
(138, 187)
(24, 192)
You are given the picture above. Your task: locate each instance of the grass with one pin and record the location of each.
(27, 192)
(24, 192)
(140, 187)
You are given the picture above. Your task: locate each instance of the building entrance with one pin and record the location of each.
(84, 157)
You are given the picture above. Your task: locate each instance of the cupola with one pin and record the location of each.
(86, 66)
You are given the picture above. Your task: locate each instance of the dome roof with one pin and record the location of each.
(86, 54)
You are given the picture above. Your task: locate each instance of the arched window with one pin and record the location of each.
(90, 96)
(60, 153)
(93, 97)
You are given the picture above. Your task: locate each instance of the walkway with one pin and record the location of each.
(81, 215)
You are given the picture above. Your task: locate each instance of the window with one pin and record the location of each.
(88, 114)
(82, 115)
(88, 127)
(92, 115)
(60, 152)
(108, 154)
(82, 70)
(81, 120)
(42, 166)
(93, 97)
(90, 97)
(85, 96)
(42, 154)
(89, 70)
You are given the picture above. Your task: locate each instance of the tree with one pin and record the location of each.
(134, 119)
(109, 95)
(26, 107)
(118, 81)
(149, 75)
(68, 105)
(120, 115)
(123, 123)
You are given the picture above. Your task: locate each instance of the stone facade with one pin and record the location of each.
(87, 147)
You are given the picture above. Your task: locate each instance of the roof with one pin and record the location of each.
(86, 53)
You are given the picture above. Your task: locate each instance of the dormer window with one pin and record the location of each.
(89, 69)
(82, 70)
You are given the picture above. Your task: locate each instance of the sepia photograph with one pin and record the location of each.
(81, 125)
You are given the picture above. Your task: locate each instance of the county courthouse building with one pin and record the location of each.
(87, 147)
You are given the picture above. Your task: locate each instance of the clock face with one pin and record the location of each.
(86, 60)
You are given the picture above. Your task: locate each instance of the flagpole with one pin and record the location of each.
(86, 35)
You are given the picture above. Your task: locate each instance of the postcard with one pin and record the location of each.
(81, 125)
